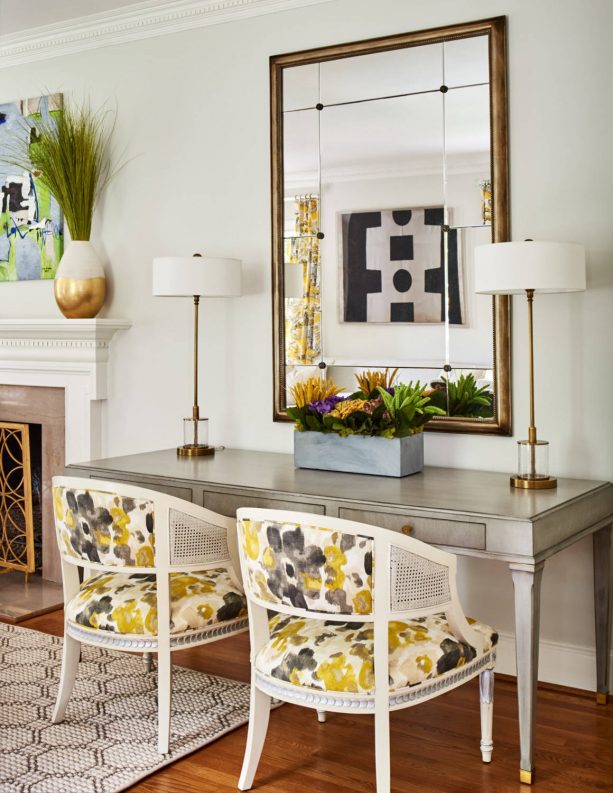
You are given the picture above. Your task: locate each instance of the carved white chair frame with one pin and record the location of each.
(169, 558)
(393, 553)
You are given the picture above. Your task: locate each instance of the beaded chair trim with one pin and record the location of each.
(139, 643)
(366, 704)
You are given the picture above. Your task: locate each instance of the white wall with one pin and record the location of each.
(193, 118)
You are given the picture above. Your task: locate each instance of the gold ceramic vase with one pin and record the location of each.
(80, 284)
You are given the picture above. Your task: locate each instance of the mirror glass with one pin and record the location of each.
(382, 189)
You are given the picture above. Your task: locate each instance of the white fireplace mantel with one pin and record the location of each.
(71, 354)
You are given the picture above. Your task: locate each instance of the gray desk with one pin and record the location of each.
(472, 513)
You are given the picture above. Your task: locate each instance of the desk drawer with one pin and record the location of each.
(438, 531)
(184, 493)
(228, 503)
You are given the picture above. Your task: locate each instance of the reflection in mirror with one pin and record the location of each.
(384, 174)
(466, 61)
(385, 74)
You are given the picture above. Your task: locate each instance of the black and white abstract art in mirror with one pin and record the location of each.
(393, 267)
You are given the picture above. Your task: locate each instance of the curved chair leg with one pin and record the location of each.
(164, 700)
(70, 663)
(259, 713)
(321, 716)
(382, 750)
(486, 691)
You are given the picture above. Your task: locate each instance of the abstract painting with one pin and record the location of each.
(393, 267)
(31, 224)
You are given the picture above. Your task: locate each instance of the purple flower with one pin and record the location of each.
(390, 390)
(322, 406)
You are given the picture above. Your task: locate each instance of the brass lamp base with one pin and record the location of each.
(195, 450)
(542, 483)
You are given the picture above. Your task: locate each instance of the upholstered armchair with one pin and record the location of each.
(366, 621)
(160, 574)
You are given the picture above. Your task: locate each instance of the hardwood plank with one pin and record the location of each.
(435, 746)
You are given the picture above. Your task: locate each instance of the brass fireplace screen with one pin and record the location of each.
(16, 520)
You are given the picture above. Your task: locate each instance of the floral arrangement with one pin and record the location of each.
(378, 407)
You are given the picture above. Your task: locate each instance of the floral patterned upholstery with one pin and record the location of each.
(308, 567)
(104, 527)
(125, 603)
(338, 656)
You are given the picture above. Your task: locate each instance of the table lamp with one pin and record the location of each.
(196, 276)
(512, 268)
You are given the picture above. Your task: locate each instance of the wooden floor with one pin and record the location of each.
(435, 746)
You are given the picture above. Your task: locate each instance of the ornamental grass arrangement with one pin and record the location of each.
(71, 155)
(380, 407)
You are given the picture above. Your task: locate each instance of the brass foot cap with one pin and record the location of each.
(527, 777)
(601, 698)
(544, 483)
(195, 450)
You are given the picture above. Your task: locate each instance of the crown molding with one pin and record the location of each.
(131, 23)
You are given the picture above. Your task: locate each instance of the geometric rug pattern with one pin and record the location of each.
(108, 740)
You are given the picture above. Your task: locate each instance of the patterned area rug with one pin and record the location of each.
(109, 738)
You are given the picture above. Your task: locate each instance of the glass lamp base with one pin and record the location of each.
(195, 436)
(533, 466)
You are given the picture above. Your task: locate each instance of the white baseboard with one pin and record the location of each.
(559, 663)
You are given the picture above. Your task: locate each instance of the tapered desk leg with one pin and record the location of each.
(527, 585)
(602, 609)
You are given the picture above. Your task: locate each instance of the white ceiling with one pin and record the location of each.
(23, 15)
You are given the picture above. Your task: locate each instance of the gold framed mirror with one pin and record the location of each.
(389, 165)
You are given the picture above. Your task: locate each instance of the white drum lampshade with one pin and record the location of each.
(511, 268)
(183, 276)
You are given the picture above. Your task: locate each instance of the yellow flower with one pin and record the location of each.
(313, 389)
(346, 408)
(369, 380)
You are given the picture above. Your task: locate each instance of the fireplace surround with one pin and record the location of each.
(54, 372)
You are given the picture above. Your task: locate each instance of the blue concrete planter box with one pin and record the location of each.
(359, 454)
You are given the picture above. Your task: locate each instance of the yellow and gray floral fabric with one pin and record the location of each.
(126, 603)
(339, 656)
(308, 567)
(105, 527)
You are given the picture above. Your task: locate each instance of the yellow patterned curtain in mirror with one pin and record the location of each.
(303, 313)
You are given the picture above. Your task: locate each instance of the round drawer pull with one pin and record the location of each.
(407, 529)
